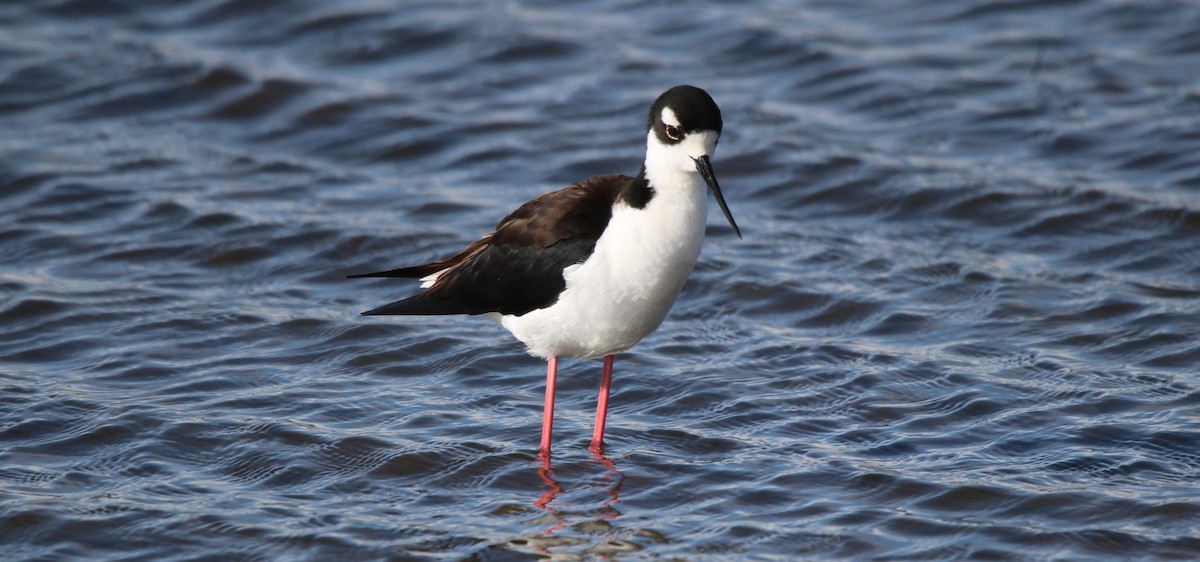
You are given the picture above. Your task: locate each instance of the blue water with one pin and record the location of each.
(962, 324)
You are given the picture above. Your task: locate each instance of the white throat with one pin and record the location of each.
(680, 156)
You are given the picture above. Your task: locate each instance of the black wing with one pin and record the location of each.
(517, 268)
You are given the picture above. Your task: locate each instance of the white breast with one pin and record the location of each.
(622, 292)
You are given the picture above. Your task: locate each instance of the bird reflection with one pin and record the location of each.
(596, 520)
(553, 488)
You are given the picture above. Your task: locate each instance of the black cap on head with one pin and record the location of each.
(694, 108)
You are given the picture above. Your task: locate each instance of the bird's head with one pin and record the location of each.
(684, 127)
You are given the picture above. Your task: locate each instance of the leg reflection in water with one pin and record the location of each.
(589, 527)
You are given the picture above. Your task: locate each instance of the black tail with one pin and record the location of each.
(406, 272)
(420, 271)
(422, 305)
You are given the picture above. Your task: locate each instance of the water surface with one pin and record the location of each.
(962, 323)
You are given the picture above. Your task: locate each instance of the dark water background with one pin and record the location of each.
(963, 323)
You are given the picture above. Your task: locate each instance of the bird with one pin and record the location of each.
(589, 270)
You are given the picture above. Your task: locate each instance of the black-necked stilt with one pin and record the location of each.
(589, 270)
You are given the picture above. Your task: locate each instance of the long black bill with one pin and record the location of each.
(710, 178)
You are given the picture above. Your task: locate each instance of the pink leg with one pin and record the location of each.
(548, 412)
(602, 406)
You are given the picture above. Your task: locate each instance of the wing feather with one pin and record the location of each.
(518, 267)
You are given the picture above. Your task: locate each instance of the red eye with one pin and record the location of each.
(673, 132)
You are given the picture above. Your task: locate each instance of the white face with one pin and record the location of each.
(668, 117)
(681, 156)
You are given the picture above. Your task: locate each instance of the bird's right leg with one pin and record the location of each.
(548, 411)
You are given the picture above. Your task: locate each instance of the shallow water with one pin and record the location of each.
(962, 323)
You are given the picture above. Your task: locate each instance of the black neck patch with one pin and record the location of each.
(638, 191)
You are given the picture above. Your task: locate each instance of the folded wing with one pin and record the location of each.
(518, 267)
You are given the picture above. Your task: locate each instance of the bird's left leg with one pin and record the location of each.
(597, 445)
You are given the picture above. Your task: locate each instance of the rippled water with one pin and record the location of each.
(963, 323)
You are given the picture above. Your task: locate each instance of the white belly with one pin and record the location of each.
(624, 290)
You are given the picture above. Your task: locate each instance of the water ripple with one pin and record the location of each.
(960, 326)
